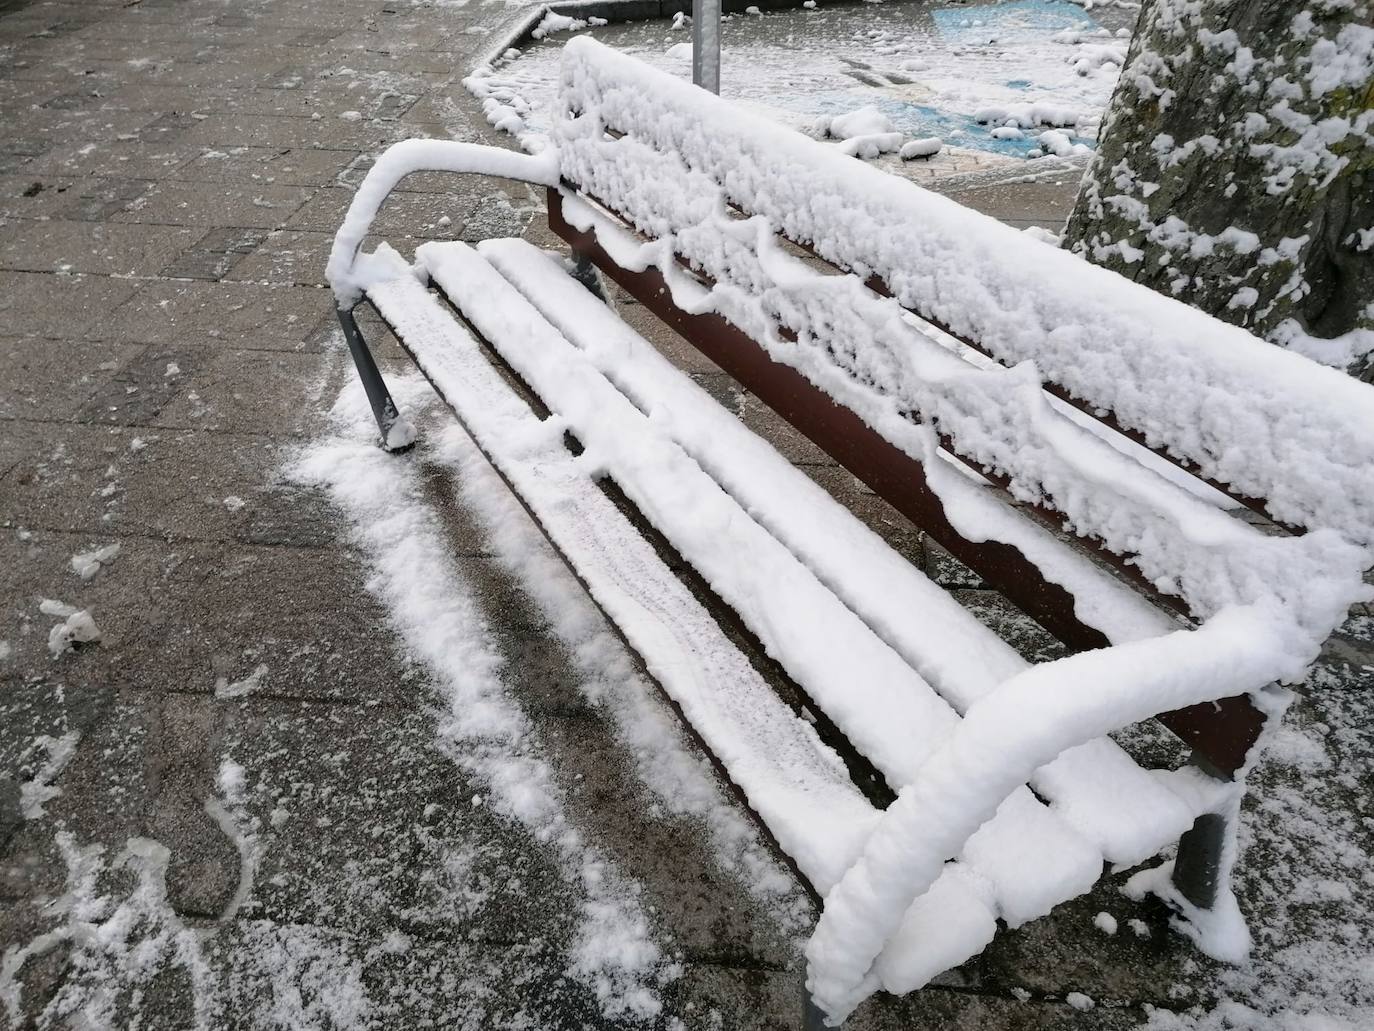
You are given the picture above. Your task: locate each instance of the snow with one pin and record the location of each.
(922, 148)
(77, 627)
(115, 944)
(482, 729)
(1105, 922)
(1003, 738)
(1079, 1001)
(670, 765)
(797, 67)
(345, 273)
(1282, 427)
(1265, 421)
(87, 563)
(36, 793)
(224, 689)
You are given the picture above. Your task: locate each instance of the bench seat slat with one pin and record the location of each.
(790, 779)
(1097, 787)
(861, 351)
(1032, 858)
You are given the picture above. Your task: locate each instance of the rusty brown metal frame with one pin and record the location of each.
(1222, 733)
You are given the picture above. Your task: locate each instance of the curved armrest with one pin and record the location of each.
(399, 161)
(1005, 737)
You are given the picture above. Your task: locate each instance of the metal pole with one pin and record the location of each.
(706, 44)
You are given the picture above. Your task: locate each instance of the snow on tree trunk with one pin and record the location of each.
(1236, 169)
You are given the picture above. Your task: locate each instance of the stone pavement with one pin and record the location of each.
(171, 172)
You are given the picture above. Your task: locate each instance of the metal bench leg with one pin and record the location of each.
(383, 407)
(812, 1017)
(1198, 865)
(586, 274)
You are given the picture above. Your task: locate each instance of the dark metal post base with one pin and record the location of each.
(585, 272)
(1197, 868)
(812, 1017)
(383, 407)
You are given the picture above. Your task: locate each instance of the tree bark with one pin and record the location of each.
(1236, 169)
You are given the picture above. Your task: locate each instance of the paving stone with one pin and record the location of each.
(215, 253)
(283, 166)
(94, 247)
(288, 256)
(245, 315)
(327, 131)
(126, 159)
(264, 206)
(49, 305)
(52, 379)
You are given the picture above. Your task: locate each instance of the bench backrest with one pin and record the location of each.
(722, 208)
(1270, 425)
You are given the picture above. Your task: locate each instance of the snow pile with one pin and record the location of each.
(1090, 57)
(922, 148)
(1028, 116)
(864, 133)
(555, 22)
(77, 626)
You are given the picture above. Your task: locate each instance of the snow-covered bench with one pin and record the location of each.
(1185, 506)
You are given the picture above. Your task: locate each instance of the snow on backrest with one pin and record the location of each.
(1266, 422)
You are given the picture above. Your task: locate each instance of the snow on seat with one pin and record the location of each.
(1127, 814)
(690, 205)
(794, 782)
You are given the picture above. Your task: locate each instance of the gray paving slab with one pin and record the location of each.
(95, 247)
(54, 378)
(172, 202)
(58, 305)
(248, 314)
(289, 166)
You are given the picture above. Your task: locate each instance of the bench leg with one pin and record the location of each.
(812, 1017)
(397, 435)
(1197, 868)
(586, 274)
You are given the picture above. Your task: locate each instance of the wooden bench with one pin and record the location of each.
(1186, 507)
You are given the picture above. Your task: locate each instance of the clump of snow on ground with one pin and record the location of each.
(87, 563)
(77, 626)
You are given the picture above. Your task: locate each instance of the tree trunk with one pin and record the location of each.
(1236, 169)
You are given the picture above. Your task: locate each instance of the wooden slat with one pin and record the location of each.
(1222, 732)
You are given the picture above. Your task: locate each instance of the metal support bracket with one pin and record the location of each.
(378, 396)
